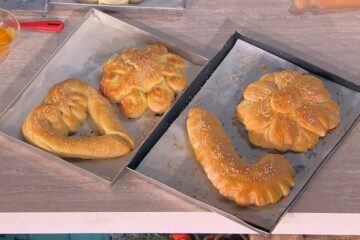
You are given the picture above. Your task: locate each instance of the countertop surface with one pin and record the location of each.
(30, 184)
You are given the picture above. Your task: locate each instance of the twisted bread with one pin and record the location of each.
(64, 110)
(247, 184)
(288, 111)
(140, 79)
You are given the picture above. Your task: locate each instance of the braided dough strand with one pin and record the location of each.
(65, 109)
(258, 184)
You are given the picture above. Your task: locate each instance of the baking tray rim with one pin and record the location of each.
(193, 200)
(257, 229)
(132, 7)
(206, 73)
(92, 11)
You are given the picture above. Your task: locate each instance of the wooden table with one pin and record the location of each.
(37, 195)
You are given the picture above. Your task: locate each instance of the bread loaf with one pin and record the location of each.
(262, 183)
(66, 106)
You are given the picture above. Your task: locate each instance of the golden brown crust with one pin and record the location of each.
(259, 184)
(287, 110)
(65, 109)
(154, 75)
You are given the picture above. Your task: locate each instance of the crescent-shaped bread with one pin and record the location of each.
(287, 110)
(66, 106)
(138, 80)
(262, 183)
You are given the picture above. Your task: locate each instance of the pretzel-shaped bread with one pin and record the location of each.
(262, 183)
(66, 105)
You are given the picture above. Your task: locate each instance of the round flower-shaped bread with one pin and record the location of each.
(287, 110)
(140, 79)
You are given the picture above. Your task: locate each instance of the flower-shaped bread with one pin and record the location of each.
(140, 79)
(287, 110)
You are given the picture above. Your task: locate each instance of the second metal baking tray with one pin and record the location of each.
(41, 6)
(147, 5)
(171, 162)
(82, 55)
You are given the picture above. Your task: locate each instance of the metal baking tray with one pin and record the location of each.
(171, 162)
(25, 5)
(158, 5)
(82, 55)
